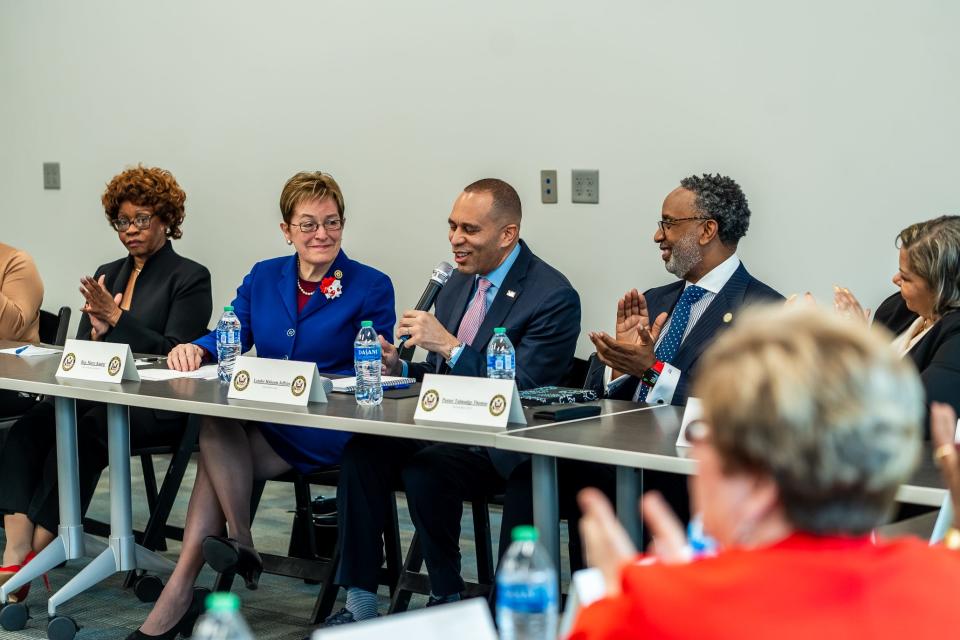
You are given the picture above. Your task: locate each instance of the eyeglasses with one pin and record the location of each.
(667, 224)
(309, 226)
(142, 221)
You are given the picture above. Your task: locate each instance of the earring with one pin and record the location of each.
(289, 241)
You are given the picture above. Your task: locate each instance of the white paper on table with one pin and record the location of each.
(465, 620)
(31, 350)
(206, 372)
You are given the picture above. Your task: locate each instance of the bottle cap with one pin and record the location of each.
(228, 308)
(366, 323)
(500, 330)
(223, 602)
(524, 533)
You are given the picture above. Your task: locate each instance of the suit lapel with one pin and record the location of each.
(728, 299)
(502, 303)
(665, 301)
(287, 288)
(318, 300)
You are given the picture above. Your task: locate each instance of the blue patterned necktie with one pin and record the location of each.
(668, 347)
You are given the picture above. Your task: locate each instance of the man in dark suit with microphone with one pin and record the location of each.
(499, 282)
(661, 334)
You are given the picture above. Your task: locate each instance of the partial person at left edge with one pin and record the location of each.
(151, 299)
(21, 293)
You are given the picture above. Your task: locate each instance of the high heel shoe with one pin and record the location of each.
(226, 554)
(21, 594)
(184, 626)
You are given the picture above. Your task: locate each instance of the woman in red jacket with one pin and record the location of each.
(810, 426)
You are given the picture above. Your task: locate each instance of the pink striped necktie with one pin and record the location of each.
(473, 318)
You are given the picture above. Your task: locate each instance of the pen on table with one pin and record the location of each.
(22, 349)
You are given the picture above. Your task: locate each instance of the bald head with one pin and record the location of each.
(504, 201)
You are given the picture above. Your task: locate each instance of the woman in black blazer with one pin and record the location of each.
(153, 300)
(925, 314)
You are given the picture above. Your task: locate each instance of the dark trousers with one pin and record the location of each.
(28, 460)
(572, 476)
(437, 478)
(13, 404)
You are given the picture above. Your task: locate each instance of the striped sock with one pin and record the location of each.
(361, 603)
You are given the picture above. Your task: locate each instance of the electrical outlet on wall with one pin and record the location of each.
(548, 186)
(585, 186)
(51, 175)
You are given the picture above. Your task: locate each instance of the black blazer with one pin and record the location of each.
(542, 319)
(937, 355)
(171, 303)
(741, 289)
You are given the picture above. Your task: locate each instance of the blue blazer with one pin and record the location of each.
(741, 289)
(542, 319)
(323, 332)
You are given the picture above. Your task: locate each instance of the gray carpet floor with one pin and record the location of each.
(278, 610)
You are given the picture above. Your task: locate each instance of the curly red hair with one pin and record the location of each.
(147, 187)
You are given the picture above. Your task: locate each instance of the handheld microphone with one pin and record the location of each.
(441, 273)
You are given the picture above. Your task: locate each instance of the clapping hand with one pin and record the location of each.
(847, 304)
(631, 312)
(99, 304)
(634, 357)
(943, 426)
(607, 545)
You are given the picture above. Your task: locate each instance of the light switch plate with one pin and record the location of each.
(51, 175)
(585, 186)
(548, 186)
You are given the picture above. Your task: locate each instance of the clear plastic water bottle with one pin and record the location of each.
(526, 590)
(222, 621)
(366, 364)
(228, 343)
(501, 356)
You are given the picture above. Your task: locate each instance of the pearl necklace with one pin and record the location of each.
(299, 286)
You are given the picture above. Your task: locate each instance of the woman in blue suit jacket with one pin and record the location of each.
(305, 307)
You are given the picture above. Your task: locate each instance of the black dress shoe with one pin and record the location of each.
(184, 626)
(225, 555)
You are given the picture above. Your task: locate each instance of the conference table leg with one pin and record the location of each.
(122, 553)
(71, 542)
(546, 506)
(629, 490)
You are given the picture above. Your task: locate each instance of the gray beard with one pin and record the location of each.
(684, 256)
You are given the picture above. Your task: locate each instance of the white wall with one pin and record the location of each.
(839, 119)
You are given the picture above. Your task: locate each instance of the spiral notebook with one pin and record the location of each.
(349, 385)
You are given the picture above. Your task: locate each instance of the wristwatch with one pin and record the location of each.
(455, 352)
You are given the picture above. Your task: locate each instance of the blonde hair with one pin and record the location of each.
(306, 186)
(820, 404)
(933, 252)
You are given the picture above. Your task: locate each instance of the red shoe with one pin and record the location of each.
(21, 594)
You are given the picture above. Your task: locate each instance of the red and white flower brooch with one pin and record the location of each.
(331, 287)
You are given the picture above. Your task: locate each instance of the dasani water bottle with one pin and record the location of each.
(366, 364)
(222, 621)
(526, 590)
(501, 357)
(228, 343)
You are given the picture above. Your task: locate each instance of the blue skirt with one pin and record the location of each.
(306, 449)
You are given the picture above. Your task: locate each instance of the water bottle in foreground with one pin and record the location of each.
(222, 621)
(526, 590)
(701, 545)
(366, 364)
(228, 343)
(501, 357)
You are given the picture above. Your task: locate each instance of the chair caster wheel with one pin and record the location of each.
(147, 588)
(62, 628)
(14, 616)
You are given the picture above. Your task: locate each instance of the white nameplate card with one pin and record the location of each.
(466, 620)
(279, 381)
(97, 361)
(479, 401)
(693, 411)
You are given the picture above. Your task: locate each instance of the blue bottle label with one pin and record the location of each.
(526, 598)
(365, 353)
(500, 362)
(228, 337)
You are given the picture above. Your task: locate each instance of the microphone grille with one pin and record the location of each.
(442, 272)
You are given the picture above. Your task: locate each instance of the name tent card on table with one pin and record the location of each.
(479, 401)
(693, 411)
(278, 381)
(97, 361)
